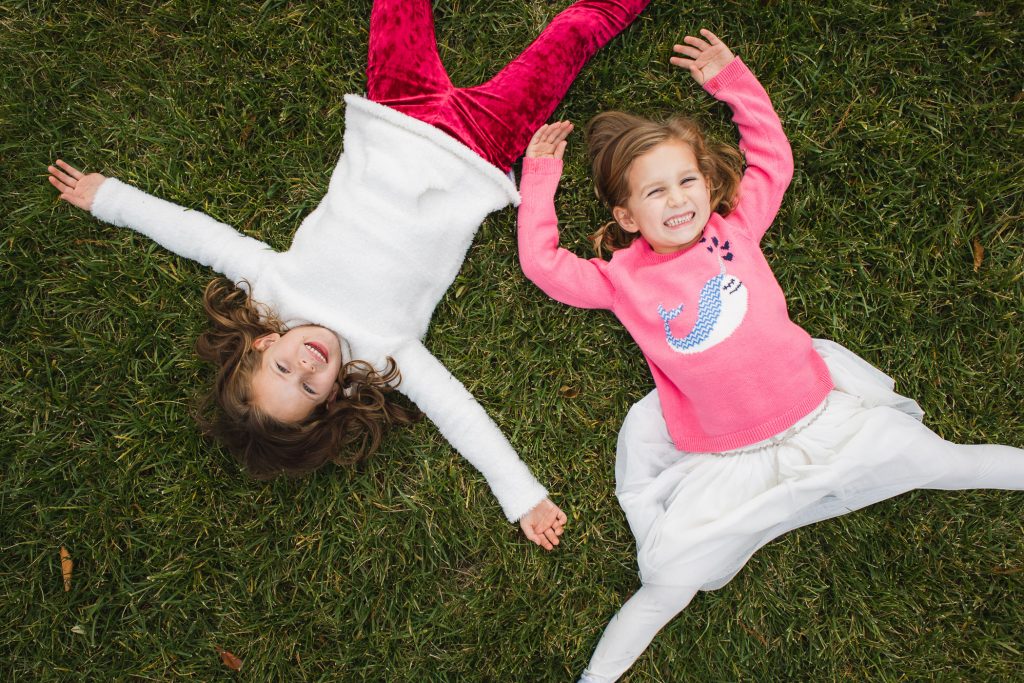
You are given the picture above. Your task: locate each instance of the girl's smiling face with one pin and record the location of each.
(669, 199)
(297, 371)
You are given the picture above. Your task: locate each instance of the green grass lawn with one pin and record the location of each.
(907, 123)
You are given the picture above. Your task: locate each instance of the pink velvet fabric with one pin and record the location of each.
(495, 119)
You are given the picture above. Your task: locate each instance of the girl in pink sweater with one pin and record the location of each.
(754, 427)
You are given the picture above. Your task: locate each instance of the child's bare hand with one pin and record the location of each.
(75, 187)
(704, 58)
(549, 140)
(544, 524)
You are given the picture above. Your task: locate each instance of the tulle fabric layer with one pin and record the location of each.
(698, 517)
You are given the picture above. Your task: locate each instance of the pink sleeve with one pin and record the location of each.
(561, 274)
(763, 143)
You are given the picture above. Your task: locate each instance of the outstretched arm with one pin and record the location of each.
(763, 143)
(467, 427)
(560, 273)
(187, 233)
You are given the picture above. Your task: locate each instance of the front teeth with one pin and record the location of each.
(679, 220)
(315, 352)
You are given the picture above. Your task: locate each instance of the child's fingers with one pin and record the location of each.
(691, 52)
(559, 131)
(551, 537)
(61, 176)
(61, 187)
(550, 135)
(531, 534)
(696, 42)
(560, 149)
(72, 171)
(684, 63)
(559, 523)
(711, 37)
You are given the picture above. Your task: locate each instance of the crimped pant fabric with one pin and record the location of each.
(495, 119)
(699, 517)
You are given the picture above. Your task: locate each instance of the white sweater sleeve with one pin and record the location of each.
(463, 422)
(188, 233)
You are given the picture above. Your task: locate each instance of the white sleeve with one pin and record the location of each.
(188, 233)
(463, 422)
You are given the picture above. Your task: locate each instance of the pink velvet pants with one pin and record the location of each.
(495, 119)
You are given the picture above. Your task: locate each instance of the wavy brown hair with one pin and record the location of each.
(346, 430)
(616, 139)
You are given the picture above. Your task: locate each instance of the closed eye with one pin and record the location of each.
(687, 181)
(308, 389)
(282, 369)
(654, 192)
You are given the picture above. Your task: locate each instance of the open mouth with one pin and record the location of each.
(318, 350)
(681, 219)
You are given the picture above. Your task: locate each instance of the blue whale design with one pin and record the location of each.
(721, 307)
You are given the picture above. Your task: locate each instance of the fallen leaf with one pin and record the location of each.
(230, 660)
(66, 565)
(77, 628)
(569, 392)
(979, 254)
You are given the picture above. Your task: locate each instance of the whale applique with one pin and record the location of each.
(721, 307)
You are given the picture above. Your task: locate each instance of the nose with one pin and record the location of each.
(676, 197)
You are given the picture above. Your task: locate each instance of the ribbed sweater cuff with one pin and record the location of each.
(727, 76)
(542, 166)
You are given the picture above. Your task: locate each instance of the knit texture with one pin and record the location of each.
(731, 368)
(370, 263)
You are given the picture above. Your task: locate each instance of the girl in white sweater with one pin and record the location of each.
(312, 339)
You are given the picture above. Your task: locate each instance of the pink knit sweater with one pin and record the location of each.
(731, 368)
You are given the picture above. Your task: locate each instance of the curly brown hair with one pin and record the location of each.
(346, 430)
(616, 139)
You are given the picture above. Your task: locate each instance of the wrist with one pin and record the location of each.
(543, 165)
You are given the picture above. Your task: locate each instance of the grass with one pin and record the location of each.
(906, 122)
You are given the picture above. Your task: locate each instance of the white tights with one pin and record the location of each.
(634, 626)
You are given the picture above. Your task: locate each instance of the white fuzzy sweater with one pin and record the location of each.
(370, 263)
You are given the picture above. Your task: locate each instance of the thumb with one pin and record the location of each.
(528, 529)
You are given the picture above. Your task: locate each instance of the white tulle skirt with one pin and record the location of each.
(698, 517)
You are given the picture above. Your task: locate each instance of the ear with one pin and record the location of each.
(624, 218)
(263, 343)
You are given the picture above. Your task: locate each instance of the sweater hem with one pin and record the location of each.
(765, 430)
(439, 138)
